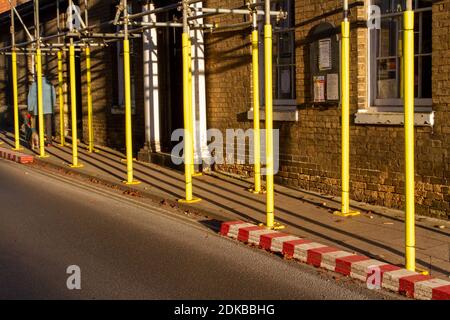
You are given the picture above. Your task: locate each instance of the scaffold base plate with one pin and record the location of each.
(76, 166)
(193, 200)
(132, 183)
(346, 214)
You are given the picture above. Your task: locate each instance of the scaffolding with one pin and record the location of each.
(134, 24)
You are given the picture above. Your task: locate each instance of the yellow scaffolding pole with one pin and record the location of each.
(14, 82)
(256, 132)
(345, 126)
(87, 51)
(128, 125)
(127, 90)
(269, 125)
(16, 102)
(268, 69)
(40, 103)
(61, 99)
(73, 99)
(410, 243)
(187, 110)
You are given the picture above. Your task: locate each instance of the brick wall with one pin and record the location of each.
(228, 77)
(310, 149)
(434, 187)
(4, 6)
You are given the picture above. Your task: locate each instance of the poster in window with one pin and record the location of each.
(325, 54)
(285, 81)
(319, 88)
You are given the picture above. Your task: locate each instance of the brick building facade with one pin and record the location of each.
(310, 147)
(309, 128)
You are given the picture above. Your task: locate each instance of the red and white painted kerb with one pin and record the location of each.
(394, 278)
(16, 156)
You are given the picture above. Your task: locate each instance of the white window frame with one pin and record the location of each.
(390, 105)
(280, 104)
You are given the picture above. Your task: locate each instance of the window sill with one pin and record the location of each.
(421, 119)
(279, 114)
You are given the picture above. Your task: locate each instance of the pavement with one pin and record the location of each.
(129, 249)
(377, 233)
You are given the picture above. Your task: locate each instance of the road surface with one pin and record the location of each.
(128, 251)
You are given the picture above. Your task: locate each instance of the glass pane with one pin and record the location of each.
(426, 77)
(416, 42)
(387, 82)
(417, 79)
(284, 42)
(284, 82)
(388, 38)
(422, 4)
(426, 32)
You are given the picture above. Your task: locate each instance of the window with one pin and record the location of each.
(386, 81)
(283, 55)
(119, 108)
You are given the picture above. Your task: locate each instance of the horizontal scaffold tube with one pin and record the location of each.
(85, 34)
(235, 11)
(160, 9)
(171, 25)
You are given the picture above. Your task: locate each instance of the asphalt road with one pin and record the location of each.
(126, 251)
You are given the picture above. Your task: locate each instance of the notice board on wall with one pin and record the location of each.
(324, 63)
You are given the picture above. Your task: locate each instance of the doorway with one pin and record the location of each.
(170, 80)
